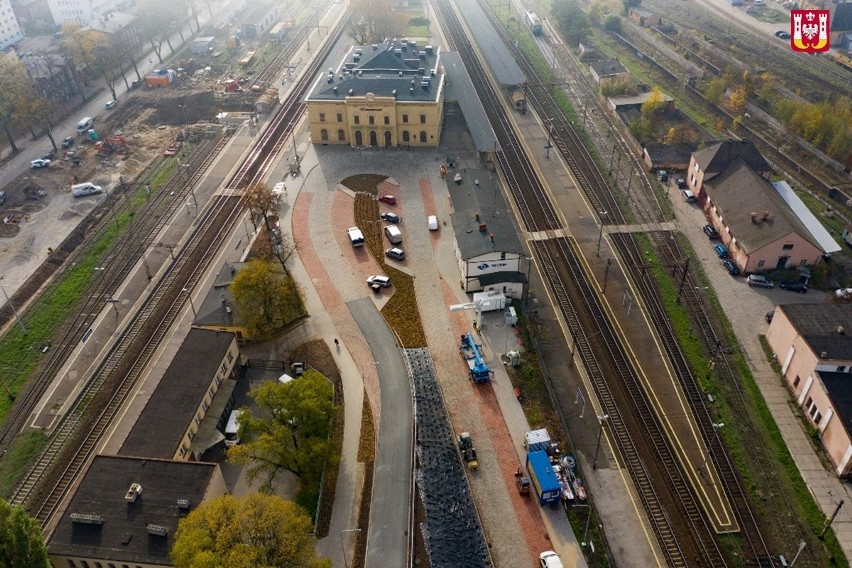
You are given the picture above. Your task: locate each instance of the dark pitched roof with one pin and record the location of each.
(737, 192)
(381, 86)
(837, 387)
(123, 536)
(163, 422)
(841, 19)
(470, 199)
(717, 157)
(819, 325)
(664, 153)
(607, 67)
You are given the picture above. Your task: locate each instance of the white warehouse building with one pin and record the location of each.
(490, 255)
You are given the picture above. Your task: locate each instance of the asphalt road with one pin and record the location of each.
(389, 512)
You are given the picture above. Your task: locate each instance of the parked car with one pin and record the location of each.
(389, 199)
(769, 315)
(681, 183)
(794, 286)
(432, 222)
(711, 232)
(135, 83)
(732, 268)
(782, 34)
(688, 196)
(843, 293)
(111, 104)
(663, 176)
(550, 559)
(395, 253)
(49, 155)
(39, 164)
(376, 282)
(721, 251)
(760, 281)
(67, 142)
(391, 217)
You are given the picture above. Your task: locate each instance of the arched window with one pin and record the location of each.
(387, 138)
(341, 135)
(423, 136)
(405, 137)
(324, 135)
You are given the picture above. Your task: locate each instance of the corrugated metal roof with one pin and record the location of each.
(501, 62)
(811, 223)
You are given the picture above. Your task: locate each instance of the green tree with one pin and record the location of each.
(257, 531)
(572, 21)
(21, 539)
(612, 23)
(290, 431)
(267, 299)
(17, 90)
(629, 4)
(715, 90)
(374, 20)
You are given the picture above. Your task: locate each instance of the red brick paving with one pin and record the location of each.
(328, 294)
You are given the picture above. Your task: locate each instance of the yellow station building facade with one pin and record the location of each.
(387, 94)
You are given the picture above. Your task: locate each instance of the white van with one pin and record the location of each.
(85, 125)
(84, 189)
(232, 430)
(393, 234)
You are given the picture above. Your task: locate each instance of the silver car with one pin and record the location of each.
(760, 281)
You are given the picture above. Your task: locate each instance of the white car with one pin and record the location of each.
(550, 559)
(111, 104)
(40, 163)
(432, 222)
(376, 282)
(843, 293)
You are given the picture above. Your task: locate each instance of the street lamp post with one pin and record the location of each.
(343, 548)
(602, 214)
(802, 545)
(191, 305)
(601, 419)
(14, 311)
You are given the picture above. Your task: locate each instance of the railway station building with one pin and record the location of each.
(813, 344)
(382, 95)
(188, 410)
(490, 256)
(764, 226)
(126, 510)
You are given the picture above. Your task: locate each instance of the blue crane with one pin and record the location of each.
(479, 371)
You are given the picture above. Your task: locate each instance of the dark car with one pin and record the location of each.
(794, 286)
(782, 34)
(68, 141)
(769, 315)
(663, 176)
(391, 217)
(732, 268)
(711, 232)
(681, 183)
(721, 251)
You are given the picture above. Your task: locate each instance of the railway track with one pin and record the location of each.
(114, 268)
(76, 438)
(674, 513)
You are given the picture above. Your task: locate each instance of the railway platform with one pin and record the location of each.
(582, 222)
